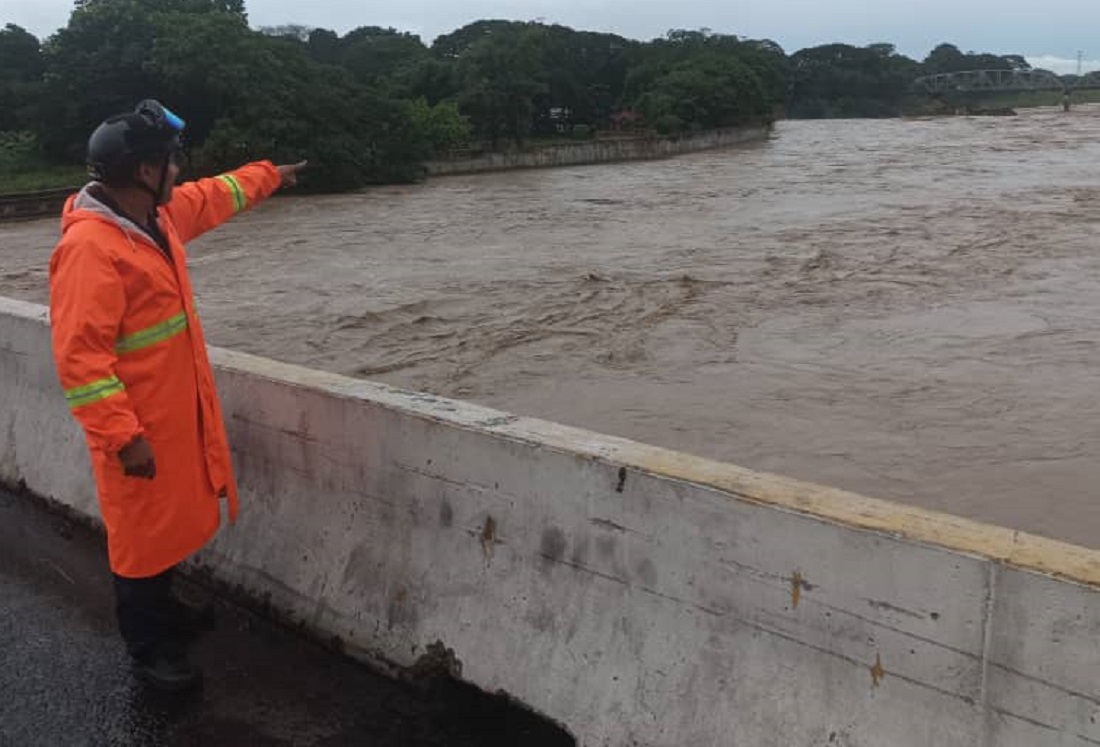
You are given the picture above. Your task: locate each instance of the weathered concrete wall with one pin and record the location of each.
(32, 205)
(602, 151)
(637, 595)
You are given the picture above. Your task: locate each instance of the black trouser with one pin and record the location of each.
(146, 610)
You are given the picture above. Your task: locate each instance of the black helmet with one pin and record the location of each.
(117, 146)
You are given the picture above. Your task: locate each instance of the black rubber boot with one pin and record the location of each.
(168, 671)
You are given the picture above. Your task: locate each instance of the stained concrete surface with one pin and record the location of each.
(64, 678)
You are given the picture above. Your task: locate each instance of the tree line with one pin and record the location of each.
(374, 104)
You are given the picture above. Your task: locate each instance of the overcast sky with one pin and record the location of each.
(1049, 33)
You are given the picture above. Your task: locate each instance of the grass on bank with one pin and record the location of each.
(22, 168)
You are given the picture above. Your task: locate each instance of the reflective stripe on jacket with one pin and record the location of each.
(132, 360)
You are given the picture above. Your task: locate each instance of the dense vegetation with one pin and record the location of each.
(374, 104)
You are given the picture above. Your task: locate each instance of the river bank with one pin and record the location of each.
(37, 204)
(601, 151)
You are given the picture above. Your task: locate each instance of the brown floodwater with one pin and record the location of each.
(908, 308)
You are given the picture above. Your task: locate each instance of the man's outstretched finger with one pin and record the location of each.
(289, 172)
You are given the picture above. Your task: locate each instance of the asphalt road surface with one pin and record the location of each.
(64, 677)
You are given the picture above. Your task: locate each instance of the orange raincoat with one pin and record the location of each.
(132, 360)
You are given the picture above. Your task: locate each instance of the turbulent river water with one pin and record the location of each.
(906, 308)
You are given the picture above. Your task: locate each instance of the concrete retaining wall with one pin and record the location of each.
(33, 205)
(637, 595)
(605, 151)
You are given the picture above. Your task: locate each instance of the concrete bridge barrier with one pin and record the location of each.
(636, 595)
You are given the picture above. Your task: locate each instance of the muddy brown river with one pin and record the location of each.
(906, 309)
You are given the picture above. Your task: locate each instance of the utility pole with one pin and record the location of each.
(1080, 58)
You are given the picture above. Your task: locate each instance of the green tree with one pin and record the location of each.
(433, 79)
(21, 69)
(95, 67)
(372, 105)
(945, 58)
(706, 92)
(375, 55)
(235, 7)
(771, 65)
(324, 46)
(268, 99)
(264, 97)
(584, 74)
(501, 78)
(455, 44)
(442, 126)
(247, 64)
(758, 69)
(839, 80)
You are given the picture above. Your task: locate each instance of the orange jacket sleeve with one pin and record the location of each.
(196, 207)
(87, 303)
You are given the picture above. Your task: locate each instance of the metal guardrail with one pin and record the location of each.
(31, 205)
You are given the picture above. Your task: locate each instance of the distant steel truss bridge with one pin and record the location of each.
(1001, 81)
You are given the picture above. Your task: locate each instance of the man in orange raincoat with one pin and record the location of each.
(132, 361)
